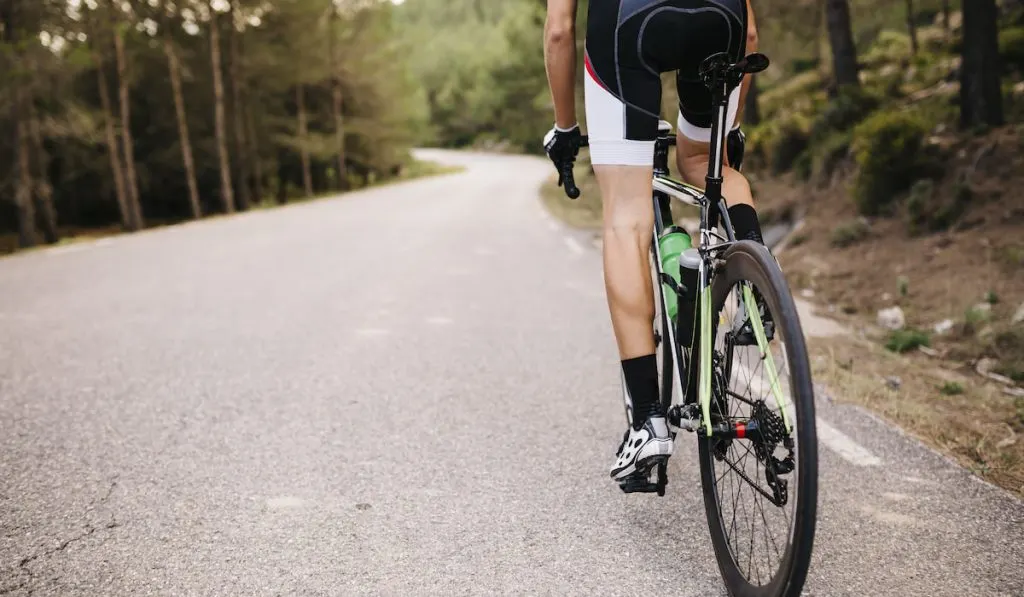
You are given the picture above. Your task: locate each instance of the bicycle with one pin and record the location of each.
(778, 430)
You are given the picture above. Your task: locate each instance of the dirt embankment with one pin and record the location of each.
(952, 374)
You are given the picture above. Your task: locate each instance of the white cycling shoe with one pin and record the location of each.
(641, 449)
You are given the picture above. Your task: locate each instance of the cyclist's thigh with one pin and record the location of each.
(623, 97)
(709, 27)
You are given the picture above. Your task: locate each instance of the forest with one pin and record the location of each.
(127, 114)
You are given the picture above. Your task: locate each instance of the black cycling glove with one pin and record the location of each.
(562, 146)
(735, 144)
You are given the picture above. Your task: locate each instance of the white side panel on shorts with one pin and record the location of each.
(696, 133)
(606, 128)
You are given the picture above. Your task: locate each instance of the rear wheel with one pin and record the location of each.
(761, 487)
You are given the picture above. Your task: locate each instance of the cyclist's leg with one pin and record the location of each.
(622, 103)
(622, 152)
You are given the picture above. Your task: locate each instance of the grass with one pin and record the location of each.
(849, 233)
(966, 417)
(902, 341)
(951, 388)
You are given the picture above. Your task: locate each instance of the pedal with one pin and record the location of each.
(686, 417)
(639, 482)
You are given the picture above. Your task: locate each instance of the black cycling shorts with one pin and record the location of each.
(629, 44)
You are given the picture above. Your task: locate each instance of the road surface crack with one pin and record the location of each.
(23, 567)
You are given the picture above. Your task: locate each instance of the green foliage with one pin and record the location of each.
(903, 285)
(974, 317)
(830, 153)
(951, 388)
(891, 154)
(480, 69)
(781, 141)
(285, 47)
(889, 47)
(1011, 48)
(849, 233)
(793, 93)
(850, 106)
(901, 341)
(803, 65)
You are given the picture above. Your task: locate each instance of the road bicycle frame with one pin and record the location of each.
(721, 78)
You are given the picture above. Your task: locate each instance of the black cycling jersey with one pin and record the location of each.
(629, 44)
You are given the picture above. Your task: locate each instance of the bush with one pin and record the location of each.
(791, 141)
(889, 47)
(848, 108)
(1011, 48)
(828, 154)
(906, 340)
(780, 142)
(891, 155)
(849, 233)
(802, 65)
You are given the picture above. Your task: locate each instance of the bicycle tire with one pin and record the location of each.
(751, 262)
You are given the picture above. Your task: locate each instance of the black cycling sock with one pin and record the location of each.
(641, 376)
(745, 223)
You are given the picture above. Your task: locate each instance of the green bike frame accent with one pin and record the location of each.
(754, 314)
(705, 357)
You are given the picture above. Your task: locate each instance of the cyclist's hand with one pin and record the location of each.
(735, 144)
(562, 146)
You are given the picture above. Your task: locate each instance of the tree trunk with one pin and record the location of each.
(43, 188)
(300, 102)
(27, 236)
(134, 205)
(911, 27)
(981, 99)
(336, 96)
(113, 148)
(751, 111)
(226, 195)
(282, 175)
(840, 35)
(183, 137)
(242, 157)
(254, 155)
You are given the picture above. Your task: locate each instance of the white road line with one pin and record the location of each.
(848, 449)
(372, 332)
(439, 320)
(573, 245)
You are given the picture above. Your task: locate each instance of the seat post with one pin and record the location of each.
(720, 99)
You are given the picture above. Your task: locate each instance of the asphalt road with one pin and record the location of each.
(411, 390)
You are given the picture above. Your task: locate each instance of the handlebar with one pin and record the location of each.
(565, 174)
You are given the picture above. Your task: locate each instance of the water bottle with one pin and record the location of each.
(671, 244)
(689, 263)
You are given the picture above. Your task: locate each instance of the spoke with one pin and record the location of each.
(769, 535)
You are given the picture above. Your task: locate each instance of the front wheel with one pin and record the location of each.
(760, 487)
